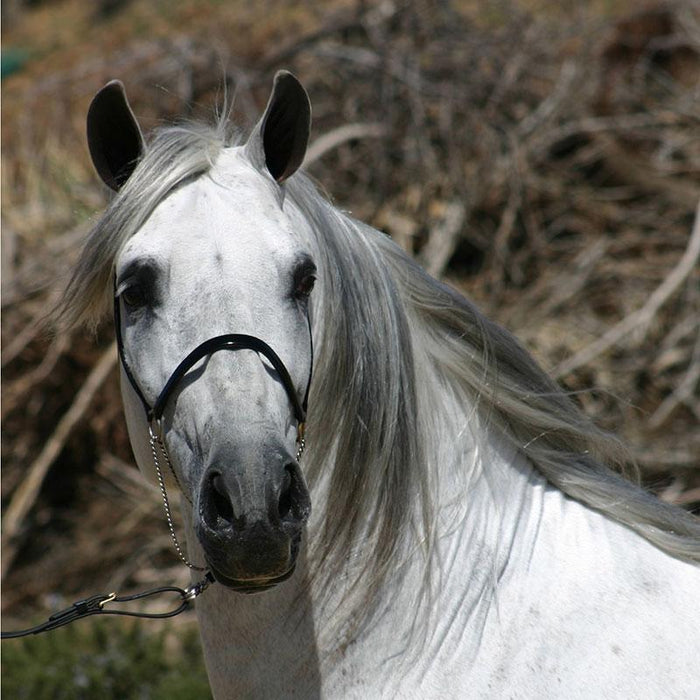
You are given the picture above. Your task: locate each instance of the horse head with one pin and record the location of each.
(212, 297)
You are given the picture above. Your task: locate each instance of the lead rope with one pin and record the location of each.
(97, 604)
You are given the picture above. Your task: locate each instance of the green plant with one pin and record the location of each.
(106, 660)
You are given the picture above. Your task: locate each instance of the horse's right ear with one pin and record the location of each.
(114, 136)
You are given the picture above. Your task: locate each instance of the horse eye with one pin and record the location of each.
(304, 286)
(133, 296)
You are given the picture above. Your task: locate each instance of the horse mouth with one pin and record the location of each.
(258, 584)
(251, 585)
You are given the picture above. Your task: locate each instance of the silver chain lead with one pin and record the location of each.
(157, 445)
(301, 442)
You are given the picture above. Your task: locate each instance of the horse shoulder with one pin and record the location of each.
(592, 610)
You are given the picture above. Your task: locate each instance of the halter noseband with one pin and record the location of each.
(228, 341)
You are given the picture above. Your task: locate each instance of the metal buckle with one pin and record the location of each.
(191, 592)
(155, 429)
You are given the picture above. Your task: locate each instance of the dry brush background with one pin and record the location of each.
(543, 157)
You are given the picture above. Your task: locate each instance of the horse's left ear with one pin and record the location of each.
(279, 140)
(114, 136)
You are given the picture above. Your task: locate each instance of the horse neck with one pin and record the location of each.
(485, 492)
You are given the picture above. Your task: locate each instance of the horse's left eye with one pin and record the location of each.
(304, 286)
(133, 296)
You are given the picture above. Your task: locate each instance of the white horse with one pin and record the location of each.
(465, 532)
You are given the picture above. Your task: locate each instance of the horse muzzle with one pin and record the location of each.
(249, 521)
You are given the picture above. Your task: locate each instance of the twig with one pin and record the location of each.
(401, 228)
(550, 293)
(23, 338)
(660, 462)
(553, 103)
(23, 385)
(632, 170)
(39, 273)
(27, 492)
(8, 253)
(128, 480)
(443, 238)
(641, 318)
(566, 285)
(674, 490)
(505, 228)
(287, 52)
(338, 136)
(687, 497)
(590, 125)
(682, 392)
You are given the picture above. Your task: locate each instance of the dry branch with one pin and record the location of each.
(640, 319)
(339, 136)
(27, 492)
(443, 239)
(22, 386)
(683, 393)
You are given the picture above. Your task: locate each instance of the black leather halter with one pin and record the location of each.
(228, 341)
(98, 604)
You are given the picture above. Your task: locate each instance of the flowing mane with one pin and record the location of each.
(392, 341)
(401, 341)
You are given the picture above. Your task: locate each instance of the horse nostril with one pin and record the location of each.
(293, 504)
(285, 502)
(218, 509)
(222, 504)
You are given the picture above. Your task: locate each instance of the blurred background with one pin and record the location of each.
(543, 157)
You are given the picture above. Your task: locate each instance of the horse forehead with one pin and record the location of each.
(231, 213)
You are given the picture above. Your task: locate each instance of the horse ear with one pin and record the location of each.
(279, 140)
(114, 136)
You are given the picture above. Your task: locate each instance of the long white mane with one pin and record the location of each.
(391, 344)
